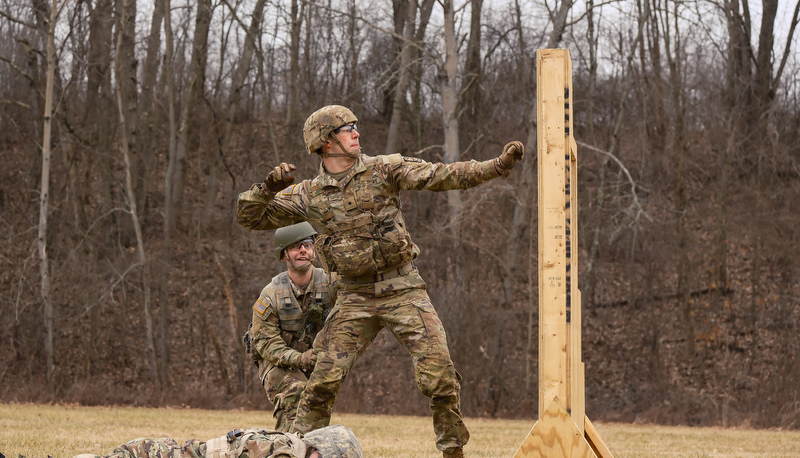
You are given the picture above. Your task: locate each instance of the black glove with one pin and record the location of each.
(280, 177)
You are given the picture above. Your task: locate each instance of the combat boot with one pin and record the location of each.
(457, 452)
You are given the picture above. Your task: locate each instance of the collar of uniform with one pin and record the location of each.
(325, 179)
(297, 291)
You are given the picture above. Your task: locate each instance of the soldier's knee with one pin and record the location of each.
(438, 383)
(292, 396)
(325, 381)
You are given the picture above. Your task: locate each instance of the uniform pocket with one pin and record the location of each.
(352, 256)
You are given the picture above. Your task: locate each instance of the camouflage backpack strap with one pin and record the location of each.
(242, 443)
(321, 294)
(219, 447)
(319, 307)
(289, 312)
(365, 188)
(223, 446)
(320, 200)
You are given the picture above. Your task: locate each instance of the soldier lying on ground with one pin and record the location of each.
(331, 442)
(286, 319)
(354, 203)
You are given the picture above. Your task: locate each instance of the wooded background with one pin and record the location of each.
(125, 279)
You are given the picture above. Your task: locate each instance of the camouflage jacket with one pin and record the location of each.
(252, 443)
(359, 217)
(283, 327)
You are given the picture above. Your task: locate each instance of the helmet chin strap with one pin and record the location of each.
(344, 153)
(301, 268)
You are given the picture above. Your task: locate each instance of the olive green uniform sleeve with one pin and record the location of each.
(267, 340)
(408, 173)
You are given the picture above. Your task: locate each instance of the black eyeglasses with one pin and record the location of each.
(307, 244)
(347, 128)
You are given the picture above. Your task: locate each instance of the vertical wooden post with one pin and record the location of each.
(563, 428)
(553, 262)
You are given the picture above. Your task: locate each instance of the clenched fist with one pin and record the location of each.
(308, 360)
(280, 177)
(512, 152)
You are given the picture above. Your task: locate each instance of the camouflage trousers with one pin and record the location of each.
(361, 312)
(284, 387)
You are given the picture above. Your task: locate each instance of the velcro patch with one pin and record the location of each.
(291, 189)
(259, 307)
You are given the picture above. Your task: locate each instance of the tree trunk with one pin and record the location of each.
(196, 83)
(292, 109)
(127, 66)
(169, 204)
(150, 353)
(99, 113)
(416, 115)
(149, 124)
(44, 197)
(471, 93)
(400, 89)
(448, 77)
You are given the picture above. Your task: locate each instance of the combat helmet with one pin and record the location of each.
(322, 122)
(334, 441)
(286, 236)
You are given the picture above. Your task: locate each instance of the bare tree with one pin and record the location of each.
(150, 354)
(405, 22)
(127, 63)
(44, 195)
(471, 92)
(170, 176)
(292, 109)
(98, 117)
(149, 131)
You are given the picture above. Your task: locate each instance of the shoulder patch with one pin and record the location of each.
(388, 159)
(291, 189)
(412, 159)
(259, 307)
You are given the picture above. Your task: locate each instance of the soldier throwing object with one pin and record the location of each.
(354, 202)
(286, 319)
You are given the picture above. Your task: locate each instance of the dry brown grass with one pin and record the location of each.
(64, 431)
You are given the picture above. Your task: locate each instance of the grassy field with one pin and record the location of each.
(64, 431)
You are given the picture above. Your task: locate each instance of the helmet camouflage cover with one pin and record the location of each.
(322, 122)
(286, 236)
(334, 441)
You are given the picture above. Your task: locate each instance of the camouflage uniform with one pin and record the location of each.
(285, 322)
(336, 440)
(364, 240)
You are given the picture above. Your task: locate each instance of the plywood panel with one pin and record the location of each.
(555, 435)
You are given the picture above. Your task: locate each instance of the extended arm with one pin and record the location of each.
(415, 174)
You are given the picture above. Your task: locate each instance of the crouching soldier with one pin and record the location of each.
(286, 319)
(331, 441)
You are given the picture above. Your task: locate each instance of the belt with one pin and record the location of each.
(393, 272)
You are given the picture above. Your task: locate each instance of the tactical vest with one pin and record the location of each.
(299, 327)
(367, 239)
(234, 444)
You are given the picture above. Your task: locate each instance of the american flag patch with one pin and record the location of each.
(259, 307)
(291, 189)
